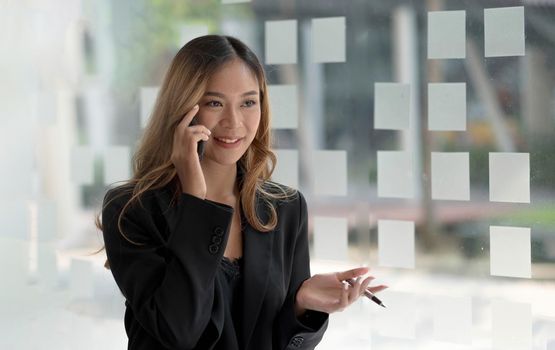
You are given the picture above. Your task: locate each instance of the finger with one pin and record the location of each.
(343, 275)
(365, 284)
(201, 132)
(354, 293)
(369, 278)
(185, 121)
(344, 296)
(377, 289)
(199, 129)
(200, 137)
(189, 116)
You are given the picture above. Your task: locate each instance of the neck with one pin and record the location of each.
(220, 181)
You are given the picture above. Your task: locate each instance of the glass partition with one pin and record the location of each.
(420, 132)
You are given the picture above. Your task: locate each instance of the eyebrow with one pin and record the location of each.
(218, 94)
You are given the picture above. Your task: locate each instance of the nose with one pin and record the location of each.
(232, 118)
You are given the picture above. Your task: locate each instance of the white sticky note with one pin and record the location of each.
(400, 318)
(396, 243)
(447, 106)
(330, 238)
(81, 278)
(47, 220)
(285, 107)
(452, 319)
(190, 32)
(281, 42)
(15, 219)
(511, 325)
(510, 251)
(446, 34)
(287, 167)
(391, 106)
(450, 176)
(330, 173)
(395, 174)
(328, 39)
(82, 165)
(148, 99)
(504, 31)
(509, 177)
(117, 164)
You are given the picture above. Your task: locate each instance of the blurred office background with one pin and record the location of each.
(421, 133)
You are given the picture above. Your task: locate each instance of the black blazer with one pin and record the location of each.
(171, 298)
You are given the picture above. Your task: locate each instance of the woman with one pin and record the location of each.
(208, 252)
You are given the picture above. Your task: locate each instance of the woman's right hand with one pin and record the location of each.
(185, 157)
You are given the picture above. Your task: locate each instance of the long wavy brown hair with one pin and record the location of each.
(183, 86)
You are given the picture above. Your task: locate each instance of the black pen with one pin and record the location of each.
(367, 293)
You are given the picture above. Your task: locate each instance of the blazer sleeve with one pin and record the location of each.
(171, 293)
(306, 331)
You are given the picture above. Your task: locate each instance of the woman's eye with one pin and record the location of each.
(250, 103)
(213, 103)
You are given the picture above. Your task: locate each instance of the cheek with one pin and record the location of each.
(207, 118)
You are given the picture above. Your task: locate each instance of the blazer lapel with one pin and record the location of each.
(257, 253)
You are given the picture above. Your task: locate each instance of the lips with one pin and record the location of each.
(228, 139)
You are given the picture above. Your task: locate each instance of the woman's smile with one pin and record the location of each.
(228, 142)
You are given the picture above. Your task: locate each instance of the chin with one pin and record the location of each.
(225, 160)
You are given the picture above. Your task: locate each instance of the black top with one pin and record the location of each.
(169, 268)
(230, 277)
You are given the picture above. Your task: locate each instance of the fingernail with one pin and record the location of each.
(345, 286)
(195, 107)
(209, 132)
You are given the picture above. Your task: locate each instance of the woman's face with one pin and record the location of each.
(230, 108)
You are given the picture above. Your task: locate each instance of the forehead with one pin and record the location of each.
(234, 77)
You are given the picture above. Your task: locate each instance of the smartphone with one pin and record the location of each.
(200, 144)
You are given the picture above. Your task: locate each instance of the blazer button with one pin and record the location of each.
(218, 231)
(216, 239)
(297, 341)
(213, 248)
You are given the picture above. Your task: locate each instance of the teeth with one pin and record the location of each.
(227, 140)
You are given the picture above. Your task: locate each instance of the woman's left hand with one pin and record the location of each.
(330, 293)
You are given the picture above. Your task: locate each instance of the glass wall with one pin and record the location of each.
(420, 132)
